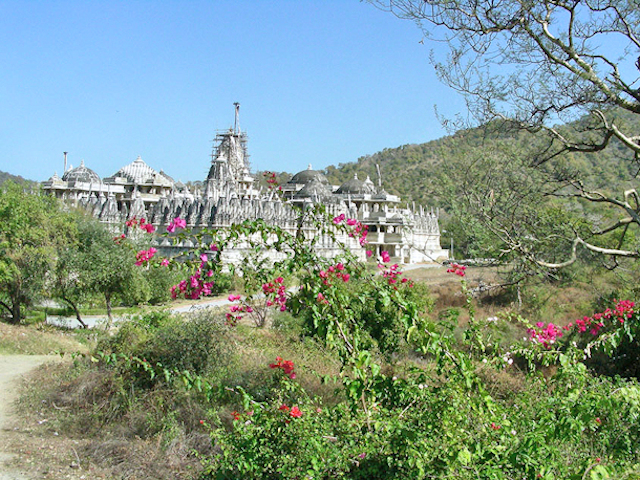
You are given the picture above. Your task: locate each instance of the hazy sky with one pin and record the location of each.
(321, 82)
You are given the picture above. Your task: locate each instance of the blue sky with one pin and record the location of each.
(321, 82)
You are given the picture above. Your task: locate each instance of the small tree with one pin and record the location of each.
(31, 228)
(105, 264)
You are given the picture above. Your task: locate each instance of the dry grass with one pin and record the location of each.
(558, 303)
(38, 340)
(64, 432)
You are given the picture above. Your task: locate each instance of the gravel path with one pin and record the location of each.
(12, 367)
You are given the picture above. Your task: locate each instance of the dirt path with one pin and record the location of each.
(12, 368)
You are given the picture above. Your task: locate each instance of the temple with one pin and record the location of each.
(230, 194)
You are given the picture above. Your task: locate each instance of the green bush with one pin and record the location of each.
(160, 280)
(195, 343)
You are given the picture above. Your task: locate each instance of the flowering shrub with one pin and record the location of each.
(176, 223)
(395, 413)
(142, 223)
(457, 269)
(274, 294)
(603, 331)
(286, 366)
(143, 256)
(359, 230)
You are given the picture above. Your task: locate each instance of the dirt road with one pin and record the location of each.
(12, 367)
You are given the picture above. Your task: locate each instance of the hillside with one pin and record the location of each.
(412, 171)
(4, 177)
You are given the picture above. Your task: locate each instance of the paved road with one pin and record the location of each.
(99, 320)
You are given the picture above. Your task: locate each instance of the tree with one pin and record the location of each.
(97, 264)
(68, 283)
(31, 228)
(104, 265)
(529, 66)
(71, 279)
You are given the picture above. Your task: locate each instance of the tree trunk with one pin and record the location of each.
(107, 299)
(12, 311)
(15, 313)
(75, 309)
(77, 312)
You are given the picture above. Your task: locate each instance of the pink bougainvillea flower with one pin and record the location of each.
(457, 269)
(385, 256)
(143, 256)
(176, 223)
(233, 298)
(164, 262)
(295, 412)
(286, 365)
(321, 298)
(369, 253)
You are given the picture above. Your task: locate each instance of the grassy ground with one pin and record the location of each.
(42, 340)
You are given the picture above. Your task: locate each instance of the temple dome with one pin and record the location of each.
(81, 174)
(354, 187)
(137, 172)
(308, 175)
(314, 189)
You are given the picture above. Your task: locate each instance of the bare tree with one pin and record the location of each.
(534, 64)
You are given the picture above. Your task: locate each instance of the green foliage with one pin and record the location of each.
(372, 408)
(173, 343)
(31, 228)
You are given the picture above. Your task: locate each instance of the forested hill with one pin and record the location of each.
(4, 176)
(412, 171)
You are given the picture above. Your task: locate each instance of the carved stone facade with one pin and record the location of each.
(231, 195)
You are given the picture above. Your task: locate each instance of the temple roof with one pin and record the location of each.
(81, 174)
(356, 186)
(306, 176)
(139, 172)
(314, 189)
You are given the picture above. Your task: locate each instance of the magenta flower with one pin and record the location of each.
(176, 223)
